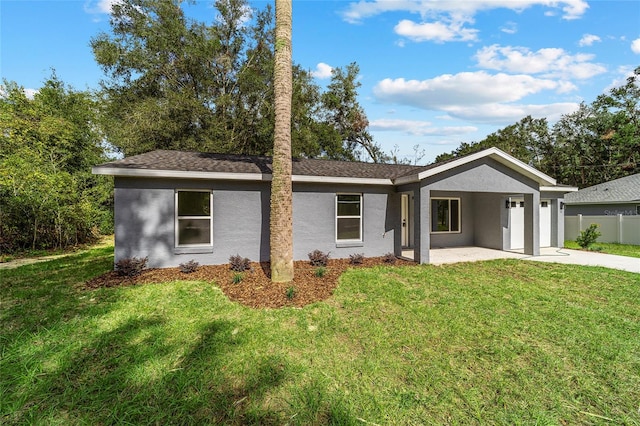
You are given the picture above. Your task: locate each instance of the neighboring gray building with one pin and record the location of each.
(616, 197)
(176, 206)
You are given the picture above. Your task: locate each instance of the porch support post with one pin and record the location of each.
(422, 234)
(557, 223)
(532, 224)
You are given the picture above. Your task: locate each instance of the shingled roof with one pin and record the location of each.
(198, 165)
(623, 190)
(230, 163)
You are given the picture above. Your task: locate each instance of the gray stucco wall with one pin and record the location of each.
(602, 209)
(314, 217)
(145, 221)
(484, 175)
(490, 219)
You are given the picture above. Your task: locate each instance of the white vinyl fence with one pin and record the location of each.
(614, 229)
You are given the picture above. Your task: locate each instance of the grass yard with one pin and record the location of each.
(499, 342)
(610, 248)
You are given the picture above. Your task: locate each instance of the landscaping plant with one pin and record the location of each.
(131, 266)
(189, 267)
(588, 236)
(238, 263)
(318, 258)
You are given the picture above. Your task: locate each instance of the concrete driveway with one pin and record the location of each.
(547, 254)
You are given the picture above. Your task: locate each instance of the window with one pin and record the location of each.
(193, 218)
(544, 204)
(445, 215)
(349, 217)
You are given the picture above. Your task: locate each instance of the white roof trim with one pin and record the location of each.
(558, 188)
(182, 174)
(498, 155)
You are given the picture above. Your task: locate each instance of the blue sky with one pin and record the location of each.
(434, 73)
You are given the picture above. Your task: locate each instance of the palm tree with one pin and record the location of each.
(281, 219)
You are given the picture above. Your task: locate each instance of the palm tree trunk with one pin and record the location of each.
(281, 218)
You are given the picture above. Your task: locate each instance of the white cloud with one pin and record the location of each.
(635, 46)
(358, 11)
(99, 6)
(30, 93)
(588, 40)
(322, 71)
(467, 88)
(435, 31)
(510, 113)
(419, 128)
(549, 62)
(509, 28)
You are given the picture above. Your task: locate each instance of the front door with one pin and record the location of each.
(404, 206)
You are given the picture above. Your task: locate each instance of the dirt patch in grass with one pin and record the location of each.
(255, 288)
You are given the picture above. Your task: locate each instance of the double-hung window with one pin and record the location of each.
(194, 222)
(348, 217)
(445, 215)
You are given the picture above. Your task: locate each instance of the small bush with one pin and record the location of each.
(588, 236)
(189, 267)
(131, 266)
(389, 258)
(318, 258)
(237, 278)
(320, 271)
(239, 264)
(291, 292)
(356, 258)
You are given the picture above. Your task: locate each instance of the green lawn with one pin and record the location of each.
(610, 248)
(499, 342)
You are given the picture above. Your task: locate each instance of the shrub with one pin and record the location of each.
(189, 267)
(291, 292)
(389, 258)
(588, 236)
(237, 278)
(318, 258)
(239, 264)
(356, 258)
(320, 271)
(131, 266)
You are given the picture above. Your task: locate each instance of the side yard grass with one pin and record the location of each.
(609, 248)
(498, 342)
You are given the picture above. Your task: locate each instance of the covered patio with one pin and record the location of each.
(468, 202)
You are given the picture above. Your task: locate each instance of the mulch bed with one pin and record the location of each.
(256, 289)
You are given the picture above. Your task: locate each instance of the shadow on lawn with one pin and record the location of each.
(120, 375)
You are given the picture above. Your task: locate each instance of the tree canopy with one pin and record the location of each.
(596, 143)
(48, 197)
(176, 83)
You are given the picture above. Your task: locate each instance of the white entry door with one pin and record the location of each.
(545, 223)
(516, 221)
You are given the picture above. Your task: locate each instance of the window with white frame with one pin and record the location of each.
(348, 217)
(194, 222)
(445, 215)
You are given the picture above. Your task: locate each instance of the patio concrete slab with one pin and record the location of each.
(440, 256)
